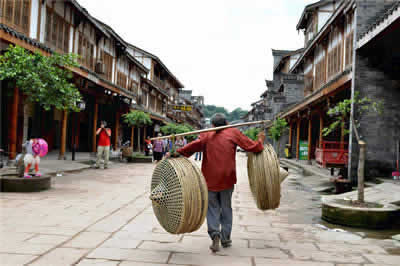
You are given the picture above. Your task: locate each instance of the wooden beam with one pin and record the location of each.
(116, 129)
(13, 125)
(298, 139)
(63, 135)
(96, 111)
(321, 127)
(309, 138)
(132, 136)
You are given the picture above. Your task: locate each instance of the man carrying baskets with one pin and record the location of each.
(219, 170)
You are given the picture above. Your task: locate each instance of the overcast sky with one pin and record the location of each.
(220, 49)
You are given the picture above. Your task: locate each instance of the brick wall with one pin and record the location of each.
(379, 131)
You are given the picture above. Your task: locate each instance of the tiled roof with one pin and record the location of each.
(380, 17)
(21, 36)
(49, 50)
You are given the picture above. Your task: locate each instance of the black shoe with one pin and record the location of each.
(215, 244)
(226, 243)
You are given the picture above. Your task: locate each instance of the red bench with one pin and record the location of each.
(332, 153)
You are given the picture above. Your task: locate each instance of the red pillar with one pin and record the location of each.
(13, 125)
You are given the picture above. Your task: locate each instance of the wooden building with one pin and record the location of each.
(349, 46)
(114, 77)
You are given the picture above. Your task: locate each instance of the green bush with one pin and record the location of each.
(252, 133)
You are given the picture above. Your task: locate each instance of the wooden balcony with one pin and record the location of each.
(308, 85)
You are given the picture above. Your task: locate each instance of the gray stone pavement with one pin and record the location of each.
(104, 217)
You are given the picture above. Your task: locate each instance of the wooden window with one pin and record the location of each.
(16, 14)
(107, 60)
(133, 86)
(334, 53)
(320, 73)
(121, 79)
(349, 48)
(85, 51)
(57, 31)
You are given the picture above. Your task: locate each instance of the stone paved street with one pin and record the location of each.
(101, 217)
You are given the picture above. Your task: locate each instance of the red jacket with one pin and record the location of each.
(219, 161)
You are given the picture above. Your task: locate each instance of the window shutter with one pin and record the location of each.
(54, 30)
(60, 41)
(66, 38)
(25, 16)
(48, 26)
(17, 12)
(9, 10)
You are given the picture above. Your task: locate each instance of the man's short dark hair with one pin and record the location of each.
(219, 120)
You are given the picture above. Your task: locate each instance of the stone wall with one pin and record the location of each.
(368, 11)
(379, 131)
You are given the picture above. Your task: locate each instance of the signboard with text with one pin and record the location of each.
(185, 108)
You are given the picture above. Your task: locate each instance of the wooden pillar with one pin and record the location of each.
(342, 136)
(116, 133)
(298, 139)
(290, 134)
(309, 138)
(63, 140)
(95, 117)
(321, 127)
(132, 136)
(14, 125)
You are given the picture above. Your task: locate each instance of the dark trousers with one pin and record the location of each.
(219, 215)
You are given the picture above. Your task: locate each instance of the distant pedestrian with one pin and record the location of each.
(147, 146)
(158, 147)
(179, 143)
(103, 145)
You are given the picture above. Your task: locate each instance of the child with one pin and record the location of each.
(32, 157)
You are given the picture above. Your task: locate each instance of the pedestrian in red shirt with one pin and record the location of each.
(219, 169)
(103, 144)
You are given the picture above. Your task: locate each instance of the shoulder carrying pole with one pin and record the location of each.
(213, 129)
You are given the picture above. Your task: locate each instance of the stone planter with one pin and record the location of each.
(12, 183)
(375, 217)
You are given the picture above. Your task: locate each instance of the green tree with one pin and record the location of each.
(252, 133)
(341, 114)
(173, 129)
(137, 119)
(44, 79)
(277, 130)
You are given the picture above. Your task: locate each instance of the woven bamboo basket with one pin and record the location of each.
(265, 178)
(179, 195)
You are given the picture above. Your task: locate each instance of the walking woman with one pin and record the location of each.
(158, 147)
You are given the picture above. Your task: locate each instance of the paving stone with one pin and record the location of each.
(348, 248)
(147, 236)
(130, 254)
(326, 256)
(48, 239)
(252, 252)
(15, 259)
(121, 243)
(133, 263)
(275, 262)
(383, 259)
(61, 256)
(196, 259)
(206, 241)
(25, 248)
(87, 240)
(90, 262)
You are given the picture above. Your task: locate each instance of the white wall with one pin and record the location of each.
(322, 19)
(34, 19)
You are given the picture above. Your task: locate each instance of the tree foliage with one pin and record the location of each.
(278, 128)
(341, 112)
(44, 79)
(173, 129)
(137, 118)
(210, 110)
(252, 133)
